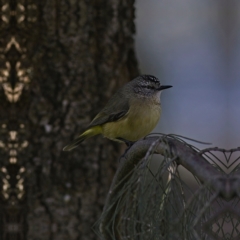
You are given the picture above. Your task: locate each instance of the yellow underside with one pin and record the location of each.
(135, 125)
(140, 120)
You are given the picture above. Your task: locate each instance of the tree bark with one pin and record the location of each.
(72, 55)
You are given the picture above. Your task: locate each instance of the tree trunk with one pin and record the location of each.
(60, 62)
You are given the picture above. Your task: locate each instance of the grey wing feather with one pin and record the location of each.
(116, 108)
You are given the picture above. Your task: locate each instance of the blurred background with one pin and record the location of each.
(194, 46)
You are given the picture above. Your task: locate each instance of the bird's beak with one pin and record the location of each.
(164, 87)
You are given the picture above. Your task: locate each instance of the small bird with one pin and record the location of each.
(130, 114)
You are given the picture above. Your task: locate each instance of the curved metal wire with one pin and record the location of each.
(151, 198)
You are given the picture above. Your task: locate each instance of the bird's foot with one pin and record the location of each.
(129, 145)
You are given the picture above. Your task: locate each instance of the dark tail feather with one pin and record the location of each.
(88, 133)
(74, 143)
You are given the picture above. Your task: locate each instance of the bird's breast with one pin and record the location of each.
(140, 120)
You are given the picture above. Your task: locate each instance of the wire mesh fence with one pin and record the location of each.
(165, 188)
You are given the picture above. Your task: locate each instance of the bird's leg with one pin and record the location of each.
(129, 145)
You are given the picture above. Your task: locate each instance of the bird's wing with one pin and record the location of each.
(116, 108)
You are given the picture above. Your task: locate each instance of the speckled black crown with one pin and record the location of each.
(150, 78)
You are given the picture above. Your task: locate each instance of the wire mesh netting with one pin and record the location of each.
(158, 196)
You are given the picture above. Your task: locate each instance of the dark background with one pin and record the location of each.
(60, 61)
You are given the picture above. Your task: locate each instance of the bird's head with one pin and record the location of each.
(148, 85)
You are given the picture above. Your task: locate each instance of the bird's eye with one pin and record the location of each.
(150, 87)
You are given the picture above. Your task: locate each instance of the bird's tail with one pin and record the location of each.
(88, 133)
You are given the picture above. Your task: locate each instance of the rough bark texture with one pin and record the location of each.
(72, 56)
